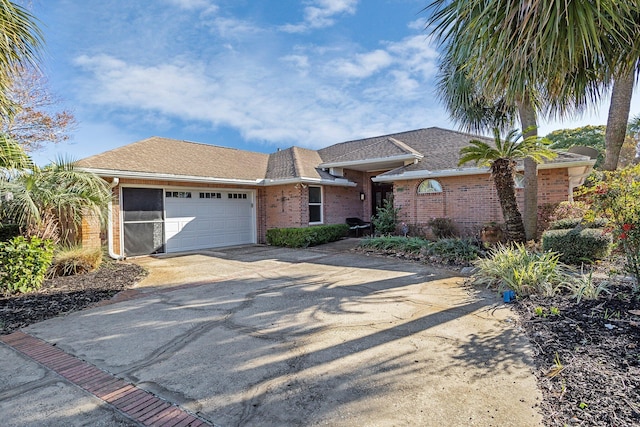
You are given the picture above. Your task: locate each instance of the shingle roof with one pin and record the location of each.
(169, 156)
(438, 149)
(295, 162)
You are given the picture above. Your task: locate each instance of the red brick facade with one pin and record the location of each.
(470, 201)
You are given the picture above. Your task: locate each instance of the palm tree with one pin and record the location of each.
(542, 57)
(502, 160)
(20, 43)
(49, 201)
(12, 155)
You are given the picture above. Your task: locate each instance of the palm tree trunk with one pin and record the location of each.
(617, 120)
(528, 121)
(502, 172)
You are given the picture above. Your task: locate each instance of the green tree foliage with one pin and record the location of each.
(48, 201)
(588, 136)
(20, 44)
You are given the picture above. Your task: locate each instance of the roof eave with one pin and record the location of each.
(473, 171)
(169, 177)
(212, 180)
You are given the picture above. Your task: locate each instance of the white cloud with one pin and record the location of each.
(321, 14)
(194, 4)
(363, 65)
(263, 102)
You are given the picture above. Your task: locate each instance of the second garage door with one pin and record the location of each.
(200, 219)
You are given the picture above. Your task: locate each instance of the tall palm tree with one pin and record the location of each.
(539, 56)
(20, 43)
(502, 160)
(50, 201)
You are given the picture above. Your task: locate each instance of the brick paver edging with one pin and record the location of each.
(137, 404)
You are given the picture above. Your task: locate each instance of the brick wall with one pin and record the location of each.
(470, 201)
(286, 206)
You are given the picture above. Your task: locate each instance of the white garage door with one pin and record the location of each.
(200, 219)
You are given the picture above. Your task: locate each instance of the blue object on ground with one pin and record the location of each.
(508, 296)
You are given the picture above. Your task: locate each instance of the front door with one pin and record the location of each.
(381, 191)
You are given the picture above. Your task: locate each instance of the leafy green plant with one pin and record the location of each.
(306, 236)
(617, 197)
(576, 245)
(457, 251)
(584, 287)
(539, 311)
(23, 263)
(554, 311)
(514, 267)
(385, 219)
(442, 228)
(75, 260)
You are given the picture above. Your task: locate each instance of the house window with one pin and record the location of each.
(429, 186)
(315, 205)
(518, 180)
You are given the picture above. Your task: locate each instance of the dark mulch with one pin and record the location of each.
(62, 295)
(587, 357)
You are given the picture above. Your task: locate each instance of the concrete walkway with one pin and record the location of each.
(270, 337)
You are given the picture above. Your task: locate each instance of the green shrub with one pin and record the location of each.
(457, 251)
(23, 263)
(576, 246)
(517, 269)
(307, 236)
(9, 231)
(395, 243)
(385, 219)
(75, 260)
(569, 223)
(442, 227)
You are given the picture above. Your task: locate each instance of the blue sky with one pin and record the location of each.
(251, 74)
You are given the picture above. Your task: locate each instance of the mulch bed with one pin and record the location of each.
(587, 357)
(62, 295)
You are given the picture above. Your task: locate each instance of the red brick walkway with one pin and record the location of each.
(137, 404)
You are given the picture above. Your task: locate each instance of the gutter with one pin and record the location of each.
(114, 182)
(472, 171)
(229, 181)
(377, 160)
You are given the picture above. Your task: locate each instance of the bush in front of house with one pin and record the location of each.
(570, 223)
(307, 236)
(578, 245)
(454, 251)
(75, 260)
(386, 219)
(447, 251)
(23, 264)
(442, 228)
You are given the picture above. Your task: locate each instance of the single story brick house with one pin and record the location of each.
(172, 196)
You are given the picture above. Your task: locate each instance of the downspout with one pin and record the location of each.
(112, 254)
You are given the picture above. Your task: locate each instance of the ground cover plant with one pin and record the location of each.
(451, 251)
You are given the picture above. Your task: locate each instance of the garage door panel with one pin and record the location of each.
(199, 223)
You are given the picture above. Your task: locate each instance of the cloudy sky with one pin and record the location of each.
(251, 74)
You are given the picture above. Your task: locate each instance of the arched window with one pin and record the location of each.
(429, 186)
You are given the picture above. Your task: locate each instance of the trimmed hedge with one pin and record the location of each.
(569, 223)
(576, 245)
(306, 236)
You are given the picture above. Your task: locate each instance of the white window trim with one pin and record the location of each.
(321, 204)
(432, 188)
(518, 181)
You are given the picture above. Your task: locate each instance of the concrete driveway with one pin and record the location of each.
(276, 337)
